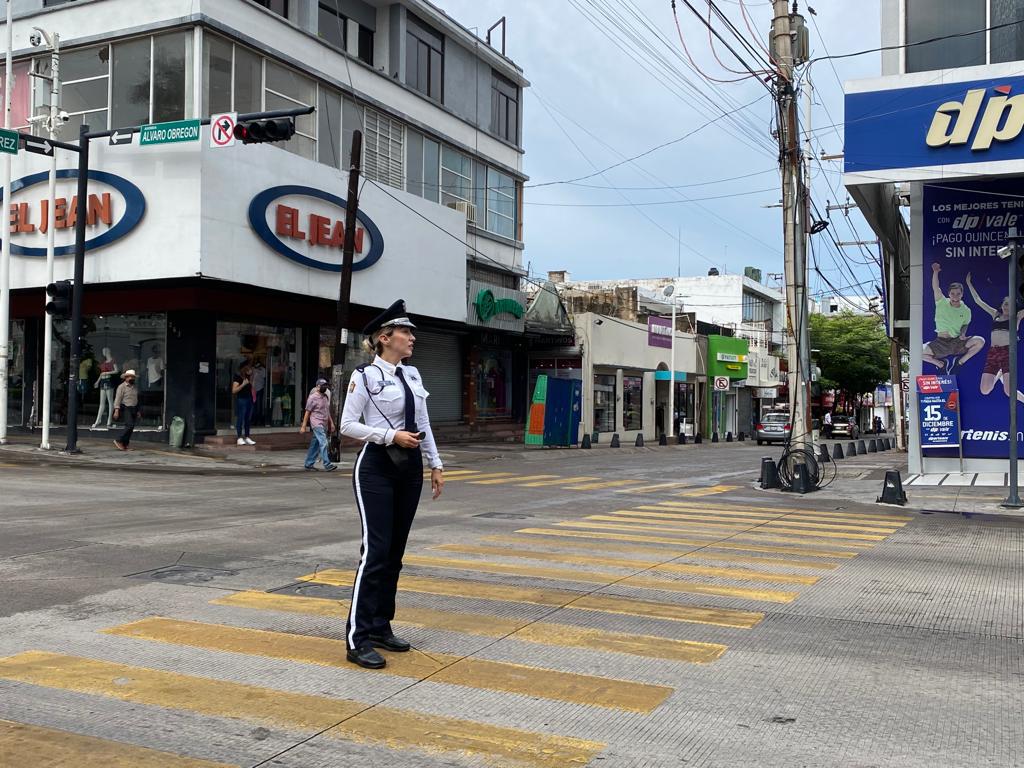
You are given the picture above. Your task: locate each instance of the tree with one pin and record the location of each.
(853, 352)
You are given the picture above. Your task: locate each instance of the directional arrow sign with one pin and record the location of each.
(122, 136)
(9, 141)
(39, 147)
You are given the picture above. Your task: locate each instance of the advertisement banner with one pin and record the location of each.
(659, 332)
(964, 314)
(938, 398)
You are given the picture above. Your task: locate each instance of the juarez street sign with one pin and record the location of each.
(169, 133)
(487, 306)
(9, 141)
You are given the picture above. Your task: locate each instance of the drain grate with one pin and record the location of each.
(184, 574)
(308, 589)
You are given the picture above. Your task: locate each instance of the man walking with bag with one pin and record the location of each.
(318, 417)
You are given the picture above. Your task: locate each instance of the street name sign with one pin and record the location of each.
(169, 133)
(9, 141)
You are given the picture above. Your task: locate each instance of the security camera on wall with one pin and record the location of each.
(63, 116)
(36, 39)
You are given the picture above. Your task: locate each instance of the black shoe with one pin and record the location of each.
(330, 467)
(365, 656)
(312, 469)
(391, 643)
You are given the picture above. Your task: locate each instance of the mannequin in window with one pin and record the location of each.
(106, 384)
(155, 368)
(259, 381)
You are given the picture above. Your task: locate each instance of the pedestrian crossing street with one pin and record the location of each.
(580, 483)
(691, 576)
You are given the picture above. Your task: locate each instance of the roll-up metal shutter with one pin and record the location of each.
(439, 360)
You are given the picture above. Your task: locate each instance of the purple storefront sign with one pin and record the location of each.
(659, 332)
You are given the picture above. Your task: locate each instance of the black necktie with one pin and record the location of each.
(410, 403)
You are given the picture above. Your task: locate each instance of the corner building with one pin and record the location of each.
(201, 257)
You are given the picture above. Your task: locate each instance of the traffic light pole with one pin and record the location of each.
(51, 234)
(345, 291)
(1013, 498)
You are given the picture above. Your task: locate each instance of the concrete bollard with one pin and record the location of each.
(801, 479)
(742, 437)
(698, 439)
(872, 446)
(851, 449)
(769, 473)
(714, 437)
(823, 454)
(892, 489)
(586, 442)
(728, 437)
(680, 439)
(837, 452)
(861, 448)
(639, 441)
(663, 440)
(615, 440)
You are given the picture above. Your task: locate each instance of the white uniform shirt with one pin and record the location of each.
(362, 420)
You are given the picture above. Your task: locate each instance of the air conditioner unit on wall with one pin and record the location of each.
(464, 207)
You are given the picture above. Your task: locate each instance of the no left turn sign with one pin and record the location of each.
(222, 129)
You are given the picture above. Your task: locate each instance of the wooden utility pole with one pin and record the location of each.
(345, 293)
(794, 223)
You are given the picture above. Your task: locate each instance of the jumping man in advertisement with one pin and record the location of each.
(997, 362)
(952, 317)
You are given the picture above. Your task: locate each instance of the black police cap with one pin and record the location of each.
(393, 315)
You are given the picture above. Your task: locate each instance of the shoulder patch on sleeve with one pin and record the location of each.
(352, 387)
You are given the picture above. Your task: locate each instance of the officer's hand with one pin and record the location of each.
(406, 439)
(436, 481)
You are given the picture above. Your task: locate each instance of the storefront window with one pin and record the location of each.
(494, 383)
(273, 354)
(604, 402)
(632, 403)
(684, 405)
(16, 373)
(111, 345)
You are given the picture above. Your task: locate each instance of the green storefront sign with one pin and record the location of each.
(487, 306)
(727, 357)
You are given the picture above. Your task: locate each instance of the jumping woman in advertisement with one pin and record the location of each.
(997, 361)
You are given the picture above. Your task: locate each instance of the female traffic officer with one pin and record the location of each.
(389, 398)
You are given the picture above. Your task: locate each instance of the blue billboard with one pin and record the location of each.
(935, 125)
(965, 323)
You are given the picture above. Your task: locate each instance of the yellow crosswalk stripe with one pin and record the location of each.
(476, 475)
(560, 481)
(460, 473)
(723, 507)
(486, 625)
(708, 491)
(710, 544)
(724, 512)
(661, 551)
(439, 667)
(768, 526)
(659, 513)
(38, 747)
(647, 526)
(602, 577)
(339, 718)
(659, 488)
(602, 484)
(560, 598)
(701, 570)
(515, 479)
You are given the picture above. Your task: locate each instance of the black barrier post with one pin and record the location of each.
(615, 440)
(680, 439)
(639, 441)
(823, 455)
(892, 489)
(837, 452)
(586, 442)
(851, 449)
(663, 439)
(769, 473)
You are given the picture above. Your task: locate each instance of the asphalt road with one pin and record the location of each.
(627, 609)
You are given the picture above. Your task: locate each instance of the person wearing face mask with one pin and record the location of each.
(386, 408)
(318, 418)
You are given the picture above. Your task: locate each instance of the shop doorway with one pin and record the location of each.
(274, 354)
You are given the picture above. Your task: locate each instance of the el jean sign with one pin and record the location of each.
(935, 125)
(118, 211)
(291, 217)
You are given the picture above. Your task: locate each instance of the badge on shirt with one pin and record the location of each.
(352, 387)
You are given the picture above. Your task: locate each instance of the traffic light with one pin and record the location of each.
(59, 305)
(261, 131)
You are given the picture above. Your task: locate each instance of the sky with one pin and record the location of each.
(592, 105)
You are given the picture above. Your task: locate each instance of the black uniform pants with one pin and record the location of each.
(386, 497)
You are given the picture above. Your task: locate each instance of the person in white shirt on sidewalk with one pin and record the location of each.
(386, 408)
